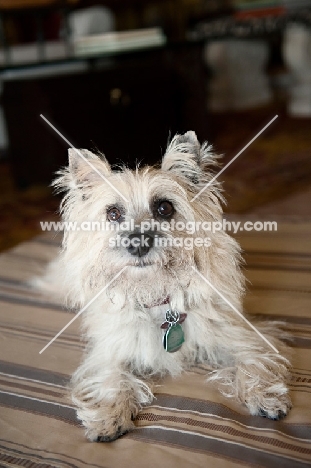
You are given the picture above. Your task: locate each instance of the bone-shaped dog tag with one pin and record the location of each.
(173, 338)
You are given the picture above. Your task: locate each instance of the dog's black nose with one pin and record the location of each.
(140, 243)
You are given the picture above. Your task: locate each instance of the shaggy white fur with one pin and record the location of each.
(124, 349)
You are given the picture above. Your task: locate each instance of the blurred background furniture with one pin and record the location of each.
(297, 56)
(125, 106)
(158, 91)
(104, 101)
(36, 13)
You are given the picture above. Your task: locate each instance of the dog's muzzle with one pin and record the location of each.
(140, 243)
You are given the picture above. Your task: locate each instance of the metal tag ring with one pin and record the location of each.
(172, 316)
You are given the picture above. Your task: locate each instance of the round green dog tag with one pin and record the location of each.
(173, 338)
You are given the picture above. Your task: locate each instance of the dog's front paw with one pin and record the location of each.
(271, 407)
(108, 429)
(108, 403)
(110, 438)
(110, 424)
(276, 416)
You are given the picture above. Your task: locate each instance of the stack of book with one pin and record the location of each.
(117, 42)
(258, 8)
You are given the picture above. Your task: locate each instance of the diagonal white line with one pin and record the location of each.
(235, 310)
(82, 310)
(84, 158)
(233, 159)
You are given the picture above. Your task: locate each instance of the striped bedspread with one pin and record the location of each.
(190, 424)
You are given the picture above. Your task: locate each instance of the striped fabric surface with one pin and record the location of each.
(190, 424)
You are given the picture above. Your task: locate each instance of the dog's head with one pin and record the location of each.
(148, 220)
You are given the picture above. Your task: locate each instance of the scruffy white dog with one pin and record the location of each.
(157, 309)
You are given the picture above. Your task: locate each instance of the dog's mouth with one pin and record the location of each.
(140, 263)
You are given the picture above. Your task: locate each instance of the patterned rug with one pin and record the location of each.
(276, 164)
(190, 424)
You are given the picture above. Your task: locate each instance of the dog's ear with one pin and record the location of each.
(85, 170)
(86, 167)
(187, 158)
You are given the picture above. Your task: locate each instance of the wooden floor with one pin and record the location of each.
(295, 205)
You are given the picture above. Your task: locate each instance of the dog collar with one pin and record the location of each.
(157, 304)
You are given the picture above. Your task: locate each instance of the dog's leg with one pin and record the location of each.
(252, 373)
(108, 399)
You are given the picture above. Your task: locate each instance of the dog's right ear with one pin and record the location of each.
(85, 170)
(86, 167)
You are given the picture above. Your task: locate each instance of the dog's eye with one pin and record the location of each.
(113, 214)
(165, 208)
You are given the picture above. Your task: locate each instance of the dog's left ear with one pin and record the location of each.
(187, 158)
